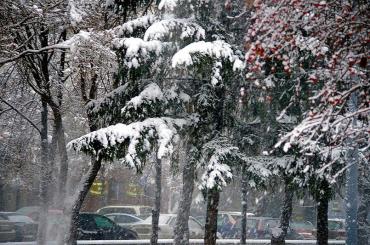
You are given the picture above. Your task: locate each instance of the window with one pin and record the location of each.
(271, 223)
(126, 210)
(194, 225)
(103, 222)
(145, 211)
(86, 223)
(125, 219)
(335, 225)
(20, 218)
(251, 223)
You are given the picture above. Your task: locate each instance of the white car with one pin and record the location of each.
(139, 211)
(166, 227)
(125, 220)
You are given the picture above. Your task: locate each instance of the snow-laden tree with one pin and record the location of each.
(168, 67)
(320, 46)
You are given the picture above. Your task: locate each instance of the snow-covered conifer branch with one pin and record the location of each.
(132, 142)
(218, 50)
(175, 28)
(218, 156)
(130, 27)
(137, 50)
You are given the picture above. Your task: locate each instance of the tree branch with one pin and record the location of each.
(21, 114)
(33, 51)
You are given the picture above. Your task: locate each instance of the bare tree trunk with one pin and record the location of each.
(243, 223)
(157, 202)
(210, 234)
(182, 226)
(286, 213)
(45, 176)
(88, 180)
(63, 168)
(322, 214)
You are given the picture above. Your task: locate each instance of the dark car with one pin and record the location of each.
(93, 226)
(25, 227)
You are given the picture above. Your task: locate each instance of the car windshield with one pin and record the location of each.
(124, 218)
(270, 223)
(335, 225)
(103, 222)
(19, 218)
(109, 210)
(301, 225)
(145, 211)
(163, 219)
(251, 223)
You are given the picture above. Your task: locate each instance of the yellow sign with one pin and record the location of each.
(97, 188)
(134, 190)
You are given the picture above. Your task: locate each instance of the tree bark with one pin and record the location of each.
(45, 176)
(182, 226)
(286, 213)
(364, 204)
(244, 197)
(210, 234)
(63, 168)
(157, 202)
(322, 214)
(88, 180)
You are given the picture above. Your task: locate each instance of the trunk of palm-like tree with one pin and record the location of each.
(157, 202)
(210, 235)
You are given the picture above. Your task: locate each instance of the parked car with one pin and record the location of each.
(337, 229)
(166, 227)
(304, 228)
(124, 220)
(30, 211)
(139, 211)
(260, 228)
(228, 223)
(25, 227)
(7, 230)
(93, 226)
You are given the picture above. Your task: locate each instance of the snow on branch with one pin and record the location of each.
(153, 96)
(219, 154)
(183, 28)
(131, 26)
(131, 143)
(117, 98)
(137, 50)
(218, 50)
(150, 94)
(168, 5)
